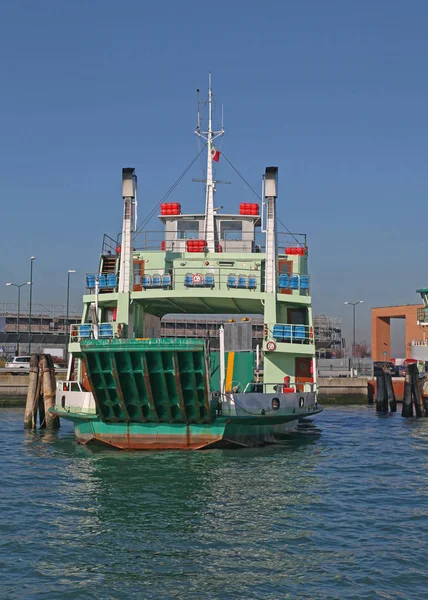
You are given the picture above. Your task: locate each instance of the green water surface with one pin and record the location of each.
(338, 513)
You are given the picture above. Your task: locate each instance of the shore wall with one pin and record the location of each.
(13, 389)
(349, 388)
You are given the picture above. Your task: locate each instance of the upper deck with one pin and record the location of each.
(173, 271)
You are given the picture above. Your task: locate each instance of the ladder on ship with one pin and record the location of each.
(108, 264)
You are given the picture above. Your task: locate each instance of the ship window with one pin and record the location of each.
(231, 230)
(187, 230)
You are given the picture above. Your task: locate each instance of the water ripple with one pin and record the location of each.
(339, 515)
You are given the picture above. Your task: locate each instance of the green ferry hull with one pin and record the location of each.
(224, 432)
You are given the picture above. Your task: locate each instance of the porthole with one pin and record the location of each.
(275, 403)
(301, 402)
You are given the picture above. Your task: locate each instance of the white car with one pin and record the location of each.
(19, 364)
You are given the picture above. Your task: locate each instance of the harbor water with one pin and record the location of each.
(339, 512)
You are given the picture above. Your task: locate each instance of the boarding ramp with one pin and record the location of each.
(149, 380)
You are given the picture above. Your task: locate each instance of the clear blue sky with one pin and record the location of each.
(332, 91)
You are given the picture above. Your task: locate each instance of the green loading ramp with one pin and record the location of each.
(150, 380)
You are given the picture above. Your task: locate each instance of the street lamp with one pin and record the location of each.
(19, 286)
(68, 304)
(354, 304)
(32, 258)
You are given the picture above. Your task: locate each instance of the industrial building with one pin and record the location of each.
(48, 323)
(328, 336)
(327, 330)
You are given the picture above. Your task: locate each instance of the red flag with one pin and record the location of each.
(215, 154)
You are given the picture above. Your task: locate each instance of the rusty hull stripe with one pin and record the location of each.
(195, 387)
(118, 386)
(148, 386)
(178, 386)
(91, 385)
(133, 384)
(206, 386)
(151, 442)
(109, 402)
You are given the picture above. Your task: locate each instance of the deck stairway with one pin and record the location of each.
(153, 380)
(108, 264)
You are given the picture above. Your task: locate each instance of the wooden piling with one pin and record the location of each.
(416, 392)
(47, 375)
(30, 414)
(41, 393)
(407, 409)
(389, 392)
(381, 393)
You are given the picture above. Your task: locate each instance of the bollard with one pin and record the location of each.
(407, 410)
(390, 395)
(381, 397)
(30, 414)
(416, 392)
(47, 375)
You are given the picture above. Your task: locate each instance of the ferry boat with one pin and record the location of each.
(129, 388)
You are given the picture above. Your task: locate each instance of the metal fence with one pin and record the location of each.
(345, 367)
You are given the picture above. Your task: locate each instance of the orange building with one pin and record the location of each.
(381, 329)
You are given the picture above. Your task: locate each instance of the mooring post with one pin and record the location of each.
(47, 373)
(416, 392)
(389, 391)
(381, 398)
(32, 393)
(425, 395)
(407, 410)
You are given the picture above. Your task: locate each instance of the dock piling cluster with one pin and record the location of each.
(41, 393)
(385, 395)
(413, 394)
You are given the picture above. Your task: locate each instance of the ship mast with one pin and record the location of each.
(209, 136)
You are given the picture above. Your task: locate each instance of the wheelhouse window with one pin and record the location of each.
(187, 230)
(231, 230)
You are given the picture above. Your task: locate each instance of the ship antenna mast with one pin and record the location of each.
(209, 136)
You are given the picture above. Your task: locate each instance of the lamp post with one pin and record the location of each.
(68, 304)
(32, 258)
(354, 304)
(19, 286)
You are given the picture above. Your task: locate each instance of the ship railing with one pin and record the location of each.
(101, 331)
(64, 385)
(110, 246)
(106, 282)
(218, 278)
(293, 244)
(287, 283)
(280, 388)
(289, 333)
(203, 277)
(419, 342)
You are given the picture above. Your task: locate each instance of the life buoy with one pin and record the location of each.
(119, 330)
(271, 346)
(197, 278)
